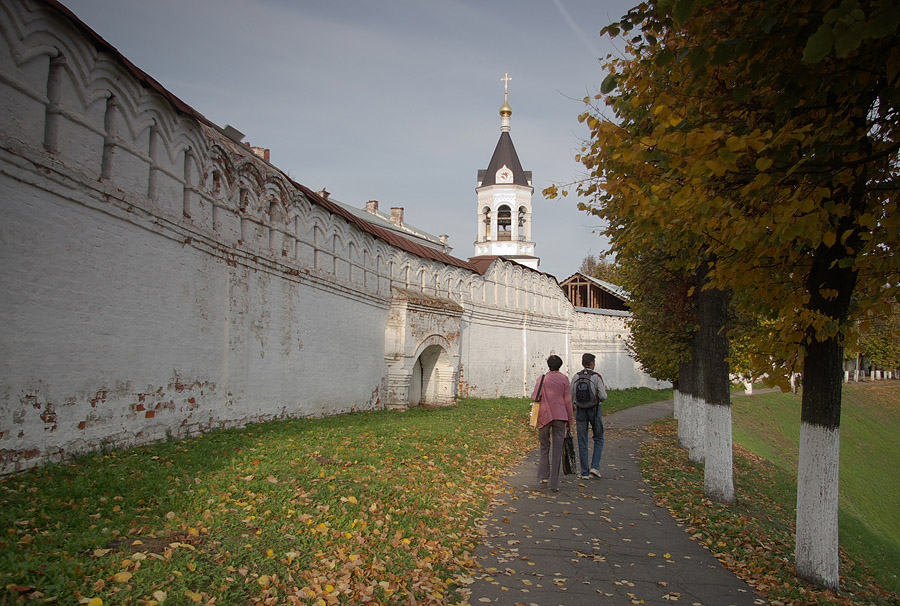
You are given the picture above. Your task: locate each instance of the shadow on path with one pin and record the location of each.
(597, 541)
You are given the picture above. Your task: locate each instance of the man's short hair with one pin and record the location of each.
(587, 358)
(554, 362)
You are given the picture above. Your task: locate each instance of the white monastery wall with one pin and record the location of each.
(603, 334)
(159, 279)
(516, 319)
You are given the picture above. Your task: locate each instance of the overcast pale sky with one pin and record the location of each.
(389, 100)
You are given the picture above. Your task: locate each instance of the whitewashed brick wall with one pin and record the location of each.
(159, 279)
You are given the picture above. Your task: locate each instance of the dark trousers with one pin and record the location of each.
(551, 436)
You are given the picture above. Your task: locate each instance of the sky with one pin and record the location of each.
(389, 100)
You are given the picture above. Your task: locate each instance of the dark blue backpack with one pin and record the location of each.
(585, 395)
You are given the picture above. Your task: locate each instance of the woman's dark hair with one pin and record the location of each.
(554, 362)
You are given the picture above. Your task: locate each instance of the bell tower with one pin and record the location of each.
(504, 200)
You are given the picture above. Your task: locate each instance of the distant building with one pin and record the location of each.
(585, 292)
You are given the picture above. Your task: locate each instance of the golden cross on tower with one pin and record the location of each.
(505, 79)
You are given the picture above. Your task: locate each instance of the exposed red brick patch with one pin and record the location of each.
(150, 414)
(48, 416)
(100, 398)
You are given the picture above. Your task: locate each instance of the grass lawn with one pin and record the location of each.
(622, 399)
(754, 536)
(769, 425)
(377, 507)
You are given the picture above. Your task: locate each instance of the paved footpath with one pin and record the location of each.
(597, 541)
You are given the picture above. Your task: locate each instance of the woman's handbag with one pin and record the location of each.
(536, 406)
(568, 454)
(535, 411)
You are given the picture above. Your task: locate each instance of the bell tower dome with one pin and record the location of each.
(504, 200)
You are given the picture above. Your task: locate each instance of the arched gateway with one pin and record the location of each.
(432, 381)
(421, 350)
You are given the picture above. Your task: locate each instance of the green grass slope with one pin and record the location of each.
(768, 424)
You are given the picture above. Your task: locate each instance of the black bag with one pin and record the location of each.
(568, 462)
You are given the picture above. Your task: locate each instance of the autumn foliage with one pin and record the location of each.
(763, 135)
(757, 144)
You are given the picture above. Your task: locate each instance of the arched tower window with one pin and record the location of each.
(504, 223)
(521, 225)
(486, 220)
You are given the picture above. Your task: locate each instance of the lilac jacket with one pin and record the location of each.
(556, 399)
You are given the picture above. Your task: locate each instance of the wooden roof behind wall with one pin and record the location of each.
(585, 291)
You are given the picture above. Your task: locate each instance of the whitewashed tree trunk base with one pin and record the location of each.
(817, 550)
(718, 478)
(685, 422)
(697, 445)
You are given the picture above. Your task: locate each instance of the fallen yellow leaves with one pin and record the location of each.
(672, 596)
(398, 531)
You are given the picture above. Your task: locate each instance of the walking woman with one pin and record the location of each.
(555, 415)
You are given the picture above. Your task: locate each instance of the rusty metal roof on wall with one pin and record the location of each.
(391, 237)
(483, 262)
(148, 81)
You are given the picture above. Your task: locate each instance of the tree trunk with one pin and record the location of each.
(691, 419)
(676, 400)
(684, 411)
(817, 550)
(817, 553)
(697, 445)
(718, 477)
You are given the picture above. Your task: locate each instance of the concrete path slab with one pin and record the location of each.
(597, 541)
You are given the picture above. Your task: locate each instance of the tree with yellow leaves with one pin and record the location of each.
(762, 137)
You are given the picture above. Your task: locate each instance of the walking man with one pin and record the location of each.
(588, 391)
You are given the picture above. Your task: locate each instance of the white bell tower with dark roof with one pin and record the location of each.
(504, 200)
